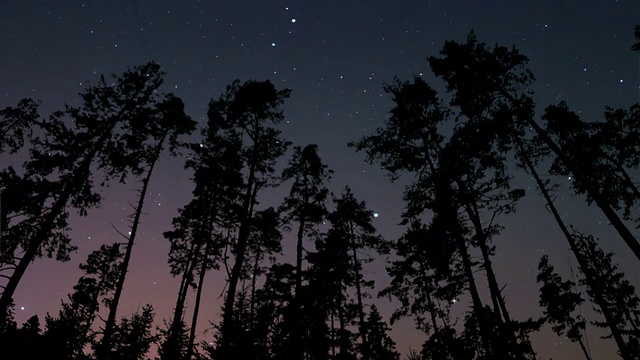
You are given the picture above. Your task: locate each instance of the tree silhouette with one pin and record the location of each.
(475, 183)
(274, 312)
(173, 340)
(559, 301)
(204, 226)
(103, 131)
(132, 338)
(168, 123)
(351, 225)
(246, 113)
(305, 205)
(496, 80)
(18, 122)
(527, 155)
(426, 279)
(73, 328)
(330, 275)
(264, 241)
(381, 346)
(608, 162)
(28, 342)
(614, 295)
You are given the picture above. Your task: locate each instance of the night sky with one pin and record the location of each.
(335, 56)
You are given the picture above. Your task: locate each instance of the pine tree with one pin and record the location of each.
(559, 302)
(169, 123)
(104, 131)
(382, 347)
(247, 113)
(204, 227)
(526, 155)
(495, 82)
(330, 275)
(305, 205)
(608, 163)
(351, 224)
(426, 279)
(132, 337)
(472, 186)
(613, 294)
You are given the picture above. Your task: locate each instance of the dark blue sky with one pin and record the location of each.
(335, 56)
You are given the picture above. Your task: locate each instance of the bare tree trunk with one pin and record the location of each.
(105, 343)
(362, 325)
(584, 349)
(196, 307)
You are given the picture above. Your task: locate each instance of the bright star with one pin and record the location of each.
(375, 215)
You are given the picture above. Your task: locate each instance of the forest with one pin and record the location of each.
(459, 150)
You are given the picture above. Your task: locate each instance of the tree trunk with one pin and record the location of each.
(584, 349)
(256, 266)
(298, 350)
(174, 351)
(196, 306)
(362, 324)
(615, 332)
(496, 297)
(243, 233)
(485, 331)
(105, 343)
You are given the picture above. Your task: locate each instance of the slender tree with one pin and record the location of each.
(559, 301)
(527, 154)
(382, 347)
(248, 113)
(614, 295)
(169, 123)
(427, 279)
(274, 311)
(352, 224)
(132, 338)
(305, 205)
(330, 276)
(204, 226)
(474, 183)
